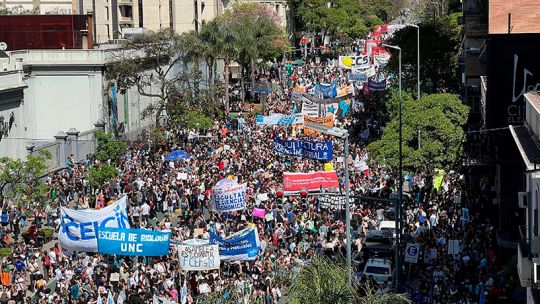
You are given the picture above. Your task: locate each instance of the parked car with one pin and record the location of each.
(378, 269)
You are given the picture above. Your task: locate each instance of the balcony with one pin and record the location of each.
(125, 20)
(125, 2)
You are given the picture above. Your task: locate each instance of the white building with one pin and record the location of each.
(527, 139)
(47, 91)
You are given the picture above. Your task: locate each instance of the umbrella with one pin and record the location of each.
(178, 154)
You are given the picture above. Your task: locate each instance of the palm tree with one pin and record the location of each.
(211, 40)
(324, 281)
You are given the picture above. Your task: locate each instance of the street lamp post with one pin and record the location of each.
(343, 134)
(400, 182)
(417, 59)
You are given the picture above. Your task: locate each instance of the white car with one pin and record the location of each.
(379, 269)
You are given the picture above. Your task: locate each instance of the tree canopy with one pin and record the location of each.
(342, 17)
(20, 180)
(432, 133)
(440, 39)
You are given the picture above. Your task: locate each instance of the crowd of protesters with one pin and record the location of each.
(175, 196)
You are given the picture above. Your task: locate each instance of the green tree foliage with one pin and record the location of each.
(109, 148)
(20, 180)
(440, 40)
(146, 62)
(101, 174)
(324, 281)
(258, 35)
(342, 18)
(432, 133)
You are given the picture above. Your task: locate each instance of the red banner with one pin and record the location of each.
(295, 182)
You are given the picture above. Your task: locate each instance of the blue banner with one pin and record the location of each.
(377, 86)
(138, 242)
(318, 150)
(241, 246)
(357, 76)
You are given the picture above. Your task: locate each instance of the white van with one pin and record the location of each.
(379, 269)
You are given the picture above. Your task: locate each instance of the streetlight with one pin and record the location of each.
(343, 134)
(417, 58)
(400, 183)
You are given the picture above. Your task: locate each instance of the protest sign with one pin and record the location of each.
(263, 197)
(318, 150)
(334, 202)
(327, 121)
(280, 119)
(294, 182)
(328, 167)
(377, 86)
(181, 176)
(197, 232)
(241, 246)
(135, 242)
(78, 228)
(309, 108)
(259, 212)
(354, 62)
(228, 195)
(198, 257)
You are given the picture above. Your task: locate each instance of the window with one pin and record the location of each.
(140, 7)
(106, 13)
(108, 31)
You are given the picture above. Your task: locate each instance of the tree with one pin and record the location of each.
(259, 35)
(109, 148)
(432, 133)
(101, 174)
(146, 62)
(324, 281)
(20, 180)
(440, 40)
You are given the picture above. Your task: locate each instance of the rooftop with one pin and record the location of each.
(524, 16)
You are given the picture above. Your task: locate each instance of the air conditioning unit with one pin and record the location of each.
(523, 199)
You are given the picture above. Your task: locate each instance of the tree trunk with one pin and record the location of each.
(210, 67)
(252, 80)
(242, 85)
(226, 70)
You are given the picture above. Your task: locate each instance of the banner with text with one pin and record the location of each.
(198, 257)
(354, 62)
(318, 150)
(333, 202)
(280, 120)
(327, 121)
(296, 182)
(137, 242)
(228, 195)
(241, 246)
(79, 228)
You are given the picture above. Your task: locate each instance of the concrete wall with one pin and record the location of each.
(59, 102)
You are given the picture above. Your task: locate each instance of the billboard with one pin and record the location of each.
(513, 69)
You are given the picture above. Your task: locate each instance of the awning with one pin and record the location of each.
(526, 144)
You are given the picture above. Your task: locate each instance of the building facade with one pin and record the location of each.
(44, 92)
(117, 19)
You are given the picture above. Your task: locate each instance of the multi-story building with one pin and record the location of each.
(527, 139)
(117, 19)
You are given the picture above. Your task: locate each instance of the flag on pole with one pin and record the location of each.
(183, 294)
(110, 299)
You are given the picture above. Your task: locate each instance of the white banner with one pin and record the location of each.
(309, 108)
(198, 257)
(228, 195)
(78, 228)
(354, 62)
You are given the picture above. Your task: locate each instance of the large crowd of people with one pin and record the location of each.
(175, 196)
